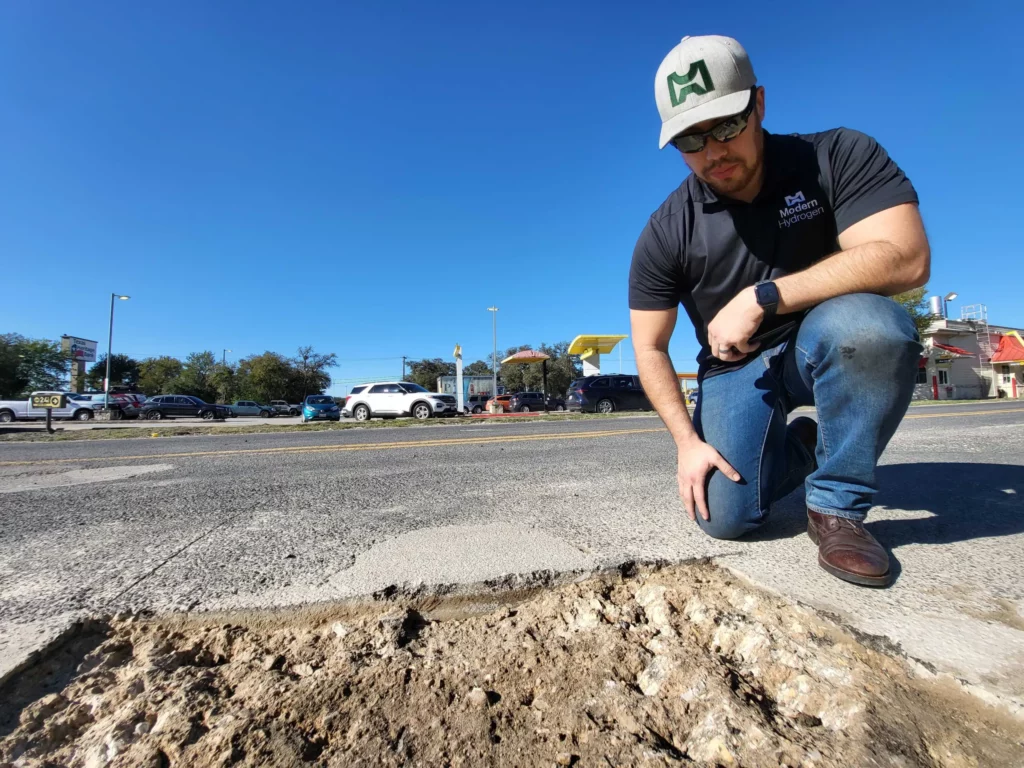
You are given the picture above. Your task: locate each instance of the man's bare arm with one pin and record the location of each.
(652, 330)
(886, 253)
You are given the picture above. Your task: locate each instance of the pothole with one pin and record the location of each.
(658, 666)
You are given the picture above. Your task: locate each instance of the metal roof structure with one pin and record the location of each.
(526, 357)
(588, 345)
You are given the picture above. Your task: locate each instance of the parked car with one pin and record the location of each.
(320, 407)
(605, 394)
(502, 400)
(390, 399)
(524, 402)
(251, 408)
(137, 398)
(22, 410)
(121, 405)
(284, 408)
(182, 406)
(476, 403)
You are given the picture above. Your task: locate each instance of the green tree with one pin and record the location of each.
(196, 377)
(426, 372)
(563, 368)
(265, 377)
(311, 368)
(124, 372)
(225, 382)
(913, 302)
(28, 365)
(479, 368)
(157, 375)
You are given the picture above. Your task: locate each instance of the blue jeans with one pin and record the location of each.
(855, 358)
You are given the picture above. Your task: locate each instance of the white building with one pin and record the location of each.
(970, 359)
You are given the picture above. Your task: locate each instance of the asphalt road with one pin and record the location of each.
(254, 521)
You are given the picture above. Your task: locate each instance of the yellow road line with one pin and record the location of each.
(420, 443)
(349, 447)
(963, 413)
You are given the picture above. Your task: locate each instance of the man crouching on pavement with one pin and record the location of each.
(782, 250)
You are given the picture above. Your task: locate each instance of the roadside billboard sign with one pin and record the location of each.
(81, 350)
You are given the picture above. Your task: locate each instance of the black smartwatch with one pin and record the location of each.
(767, 297)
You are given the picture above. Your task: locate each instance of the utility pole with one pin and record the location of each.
(110, 345)
(404, 358)
(224, 357)
(494, 353)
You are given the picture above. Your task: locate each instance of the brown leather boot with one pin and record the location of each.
(848, 551)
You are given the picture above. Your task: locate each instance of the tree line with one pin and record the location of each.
(28, 365)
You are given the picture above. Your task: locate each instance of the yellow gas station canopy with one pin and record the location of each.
(526, 357)
(588, 345)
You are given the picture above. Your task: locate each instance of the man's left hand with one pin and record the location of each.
(729, 333)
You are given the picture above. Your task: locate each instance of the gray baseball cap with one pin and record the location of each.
(703, 78)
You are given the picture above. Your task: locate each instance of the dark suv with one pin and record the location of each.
(524, 402)
(182, 407)
(605, 394)
(476, 403)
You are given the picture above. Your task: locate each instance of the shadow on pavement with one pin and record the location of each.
(50, 672)
(966, 501)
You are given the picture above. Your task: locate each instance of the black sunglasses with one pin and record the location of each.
(725, 131)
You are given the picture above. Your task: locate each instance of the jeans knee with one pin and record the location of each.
(725, 526)
(732, 510)
(863, 325)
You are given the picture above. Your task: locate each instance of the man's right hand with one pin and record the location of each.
(696, 460)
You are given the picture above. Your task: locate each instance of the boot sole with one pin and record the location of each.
(854, 578)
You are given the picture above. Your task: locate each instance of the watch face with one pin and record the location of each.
(767, 294)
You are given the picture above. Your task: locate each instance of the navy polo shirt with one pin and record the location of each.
(701, 250)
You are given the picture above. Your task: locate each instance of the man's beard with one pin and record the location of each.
(741, 177)
(744, 174)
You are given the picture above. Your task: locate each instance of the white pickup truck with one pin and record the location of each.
(22, 410)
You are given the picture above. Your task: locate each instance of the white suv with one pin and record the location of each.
(397, 398)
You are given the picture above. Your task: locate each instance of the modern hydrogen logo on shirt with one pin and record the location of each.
(798, 209)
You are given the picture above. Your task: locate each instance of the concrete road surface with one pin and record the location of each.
(269, 520)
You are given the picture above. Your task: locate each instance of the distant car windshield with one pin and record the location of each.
(409, 387)
(320, 400)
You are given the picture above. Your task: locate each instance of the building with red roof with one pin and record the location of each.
(970, 358)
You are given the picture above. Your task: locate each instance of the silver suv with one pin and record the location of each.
(391, 399)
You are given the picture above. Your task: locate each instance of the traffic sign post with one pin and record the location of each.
(49, 401)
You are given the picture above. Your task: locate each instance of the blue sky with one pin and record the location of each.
(368, 178)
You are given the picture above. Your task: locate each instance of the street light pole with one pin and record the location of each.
(110, 344)
(224, 357)
(945, 300)
(494, 353)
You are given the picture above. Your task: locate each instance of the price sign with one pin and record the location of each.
(48, 400)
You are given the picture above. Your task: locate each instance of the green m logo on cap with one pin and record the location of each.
(697, 81)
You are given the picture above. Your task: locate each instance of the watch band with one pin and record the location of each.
(767, 294)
